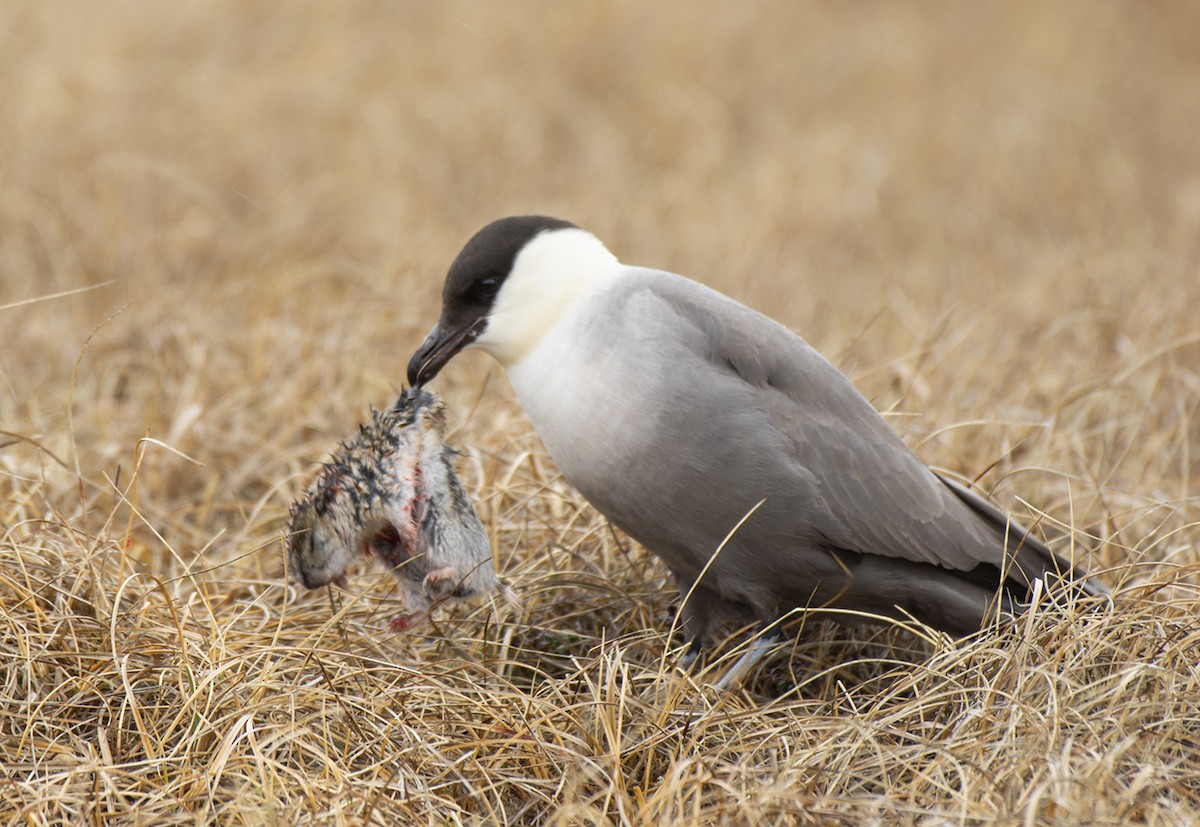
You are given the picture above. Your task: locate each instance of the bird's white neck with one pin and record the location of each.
(552, 273)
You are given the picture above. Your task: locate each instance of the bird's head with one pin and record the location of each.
(508, 287)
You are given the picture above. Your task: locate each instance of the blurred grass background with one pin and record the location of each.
(987, 214)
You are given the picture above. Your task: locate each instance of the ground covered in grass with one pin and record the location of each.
(223, 229)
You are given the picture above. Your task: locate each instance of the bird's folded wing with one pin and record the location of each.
(876, 496)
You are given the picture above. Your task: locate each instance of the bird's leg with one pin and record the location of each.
(692, 654)
(697, 618)
(768, 635)
(693, 651)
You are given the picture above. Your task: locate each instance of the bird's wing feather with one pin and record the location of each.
(1029, 550)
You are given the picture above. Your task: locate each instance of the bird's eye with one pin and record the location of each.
(487, 288)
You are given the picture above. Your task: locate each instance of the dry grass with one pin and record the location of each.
(988, 214)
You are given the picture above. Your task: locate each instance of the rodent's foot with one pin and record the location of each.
(405, 622)
(442, 583)
(440, 576)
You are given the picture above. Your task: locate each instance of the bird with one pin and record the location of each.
(726, 445)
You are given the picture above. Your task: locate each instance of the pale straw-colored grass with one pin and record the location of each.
(223, 229)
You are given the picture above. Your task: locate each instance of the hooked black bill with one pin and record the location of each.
(439, 347)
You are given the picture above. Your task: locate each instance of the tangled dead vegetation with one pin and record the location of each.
(215, 694)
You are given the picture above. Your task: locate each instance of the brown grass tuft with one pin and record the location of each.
(223, 229)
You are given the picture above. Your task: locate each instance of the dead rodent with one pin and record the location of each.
(391, 493)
